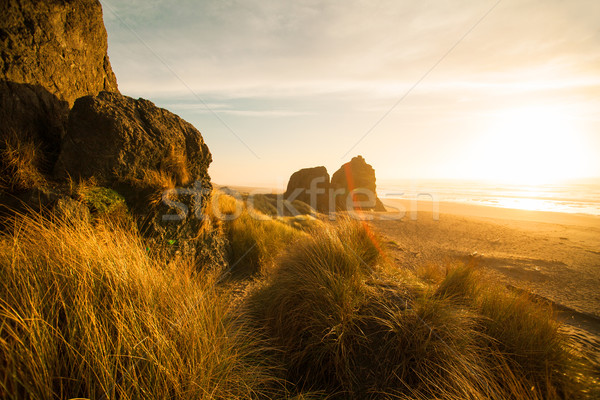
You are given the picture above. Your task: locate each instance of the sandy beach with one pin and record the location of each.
(553, 255)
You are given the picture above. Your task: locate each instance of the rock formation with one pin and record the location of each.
(311, 186)
(357, 176)
(51, 53)
(31, 114)
(60, 45)
(53, 57)
(115, 138)
(148, 155)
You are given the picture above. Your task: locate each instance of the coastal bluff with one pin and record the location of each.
(69, 140)
(56, 44)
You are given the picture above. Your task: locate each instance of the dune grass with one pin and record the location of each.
(255, 239)
(348, 323)
(85, 312)
(88, 310)
(305, 223)
(276, 206)
(20, 163)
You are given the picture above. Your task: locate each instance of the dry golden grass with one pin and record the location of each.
(86, 312)
(151, 188)
(159, 179)
(155, 184)
(20, 161)
(255, 239)
(275, 206)
(175, 165)
(351, 324)
(171, 173)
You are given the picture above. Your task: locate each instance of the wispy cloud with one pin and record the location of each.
(269, 46)
(223, 108)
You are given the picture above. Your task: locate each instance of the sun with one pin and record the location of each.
(531, 145)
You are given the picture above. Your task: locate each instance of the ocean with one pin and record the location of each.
(573, 197)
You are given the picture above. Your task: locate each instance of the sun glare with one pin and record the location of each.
(533, 145)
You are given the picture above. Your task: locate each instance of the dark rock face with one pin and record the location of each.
(31, 113)
(311, 186)
(184, 223)
(148, 155)
(357, 176)
(115, 139)
(51, 53)
(57, 44)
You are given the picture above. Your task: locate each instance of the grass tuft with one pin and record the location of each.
(88, 310)
(348, 324)
(20, 163)
(255, 239)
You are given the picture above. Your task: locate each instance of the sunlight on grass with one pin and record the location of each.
(87, 313)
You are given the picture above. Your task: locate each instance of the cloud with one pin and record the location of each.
(326, 71)
(221, 108)
(272, 46)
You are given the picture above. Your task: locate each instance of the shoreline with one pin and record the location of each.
(489, 212)
(550, 254)
(407, 206)
(553, 254)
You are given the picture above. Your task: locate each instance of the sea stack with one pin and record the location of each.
(357, 179)
(311, 186)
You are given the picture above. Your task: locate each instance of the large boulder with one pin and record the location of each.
(51, 53)
(60, 45)
(114, 139)
(157, 161)
(53, 57)
(311, 186)
(354, 184)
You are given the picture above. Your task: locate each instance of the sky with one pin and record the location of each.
(503, 90)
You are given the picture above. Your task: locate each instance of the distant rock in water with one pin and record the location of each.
(311, 186)
(51, 53)
(357, 176)
(114, 138)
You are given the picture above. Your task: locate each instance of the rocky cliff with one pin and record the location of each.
(60, 45)
(51, 53)
(62, 118)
